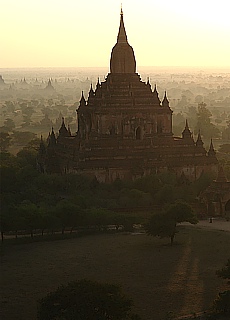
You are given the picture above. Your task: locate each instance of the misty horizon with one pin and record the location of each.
(83, 33)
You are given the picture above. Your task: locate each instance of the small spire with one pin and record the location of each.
(221, 175)
(52, 139)
(1, 80)
(98, 83)
(82, 101)
(49, 85)
(155, 96)
(211, 151)
(199, 141)
(42, 148)
(165, 102)
(187, 134)
(91, 92)
(186, 124)
(63, 130)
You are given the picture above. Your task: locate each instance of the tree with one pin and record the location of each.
(224, 148)
(10, 219)
(160, 225)
(27, 112)
(86, 299)
(181, 212)
(33, 144)
(165, 194)
(67, 213)
(5, 140)
(204, 124)
(9, 124)
(6, 220)
(224, 272)
(222, 302)
(164, 224)
(130, 198)
(28, 212)
(23, 137)
(46, 218)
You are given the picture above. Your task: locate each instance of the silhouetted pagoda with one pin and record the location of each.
(124, 130)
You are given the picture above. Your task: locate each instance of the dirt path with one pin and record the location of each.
(217, 224)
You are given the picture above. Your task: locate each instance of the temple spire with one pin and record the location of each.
(91, 92)
(186, 124)
(165, 102)
(63, 132)
(156, 96)
(98, 83)
(82, 101)
(211, 151)
(42, 148)
(199, 141)
(52, 139)
(122, 37)
(122, 56)
(187, 134)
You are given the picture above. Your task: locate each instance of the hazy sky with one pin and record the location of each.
(81, 33)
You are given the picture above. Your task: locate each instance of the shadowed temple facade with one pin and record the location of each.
(124, 130)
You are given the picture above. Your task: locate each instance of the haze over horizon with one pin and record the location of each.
(81, 34)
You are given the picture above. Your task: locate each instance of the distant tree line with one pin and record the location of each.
(31, 200)
(201, 119)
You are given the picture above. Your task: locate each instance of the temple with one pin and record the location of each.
(124, 131)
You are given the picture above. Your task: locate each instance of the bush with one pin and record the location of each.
(222, 302)
(86, 299)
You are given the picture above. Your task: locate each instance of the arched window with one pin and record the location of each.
(112, 130)
(138, 133)
(159, 127)
(227, 206)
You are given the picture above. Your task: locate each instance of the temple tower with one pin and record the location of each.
(122, 57)
(125, 129)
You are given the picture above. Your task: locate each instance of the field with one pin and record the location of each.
(157, 277)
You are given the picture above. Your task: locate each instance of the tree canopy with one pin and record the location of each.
(164, 224)
(204, 124)
(85, 299)
(225, 271)
(222, 302)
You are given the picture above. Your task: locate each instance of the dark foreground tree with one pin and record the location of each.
(164, 224)
(84, 299)
(225, 271)
(222, 302)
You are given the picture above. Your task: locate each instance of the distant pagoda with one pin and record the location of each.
(2, 82)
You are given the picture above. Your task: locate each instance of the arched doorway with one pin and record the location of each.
(227, 209)
(138, 133)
